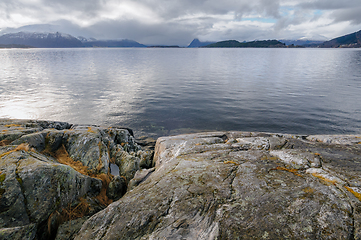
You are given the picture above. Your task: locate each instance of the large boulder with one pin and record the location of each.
(54, 172)
(239, 185)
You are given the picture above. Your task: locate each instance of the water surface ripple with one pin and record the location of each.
(170, 91)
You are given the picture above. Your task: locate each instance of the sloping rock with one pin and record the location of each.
(241, 185)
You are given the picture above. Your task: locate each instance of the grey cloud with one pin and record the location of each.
(160, 33)
(179, 21)
(176, 8)
(88, 8)
(330, 4)
(346, 10)
(353, 15)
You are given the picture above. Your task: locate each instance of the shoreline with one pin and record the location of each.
(56, 182)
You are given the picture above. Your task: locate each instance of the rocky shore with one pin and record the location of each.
(64, 181)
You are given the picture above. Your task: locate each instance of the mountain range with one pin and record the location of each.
(352, 40)
(63, 40)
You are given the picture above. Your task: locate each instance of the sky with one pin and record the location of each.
(178, 22)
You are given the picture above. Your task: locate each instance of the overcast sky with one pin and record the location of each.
(179, 21)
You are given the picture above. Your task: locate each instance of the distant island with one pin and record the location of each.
(196, 43)
(253, 44)
(63, 40)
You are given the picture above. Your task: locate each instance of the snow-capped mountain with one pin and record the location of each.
(41, 40)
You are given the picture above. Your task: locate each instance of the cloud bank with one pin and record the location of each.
(178, 22)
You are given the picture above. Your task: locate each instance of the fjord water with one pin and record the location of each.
(170, 91)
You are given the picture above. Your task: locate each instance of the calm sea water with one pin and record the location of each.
(169, 91)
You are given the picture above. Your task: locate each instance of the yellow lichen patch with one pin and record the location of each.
(5, 130)
(198, 144)
(63, 157)
(22, 146)
(12, 125)
(324, 178)
(356, 194)
(267, 157)
(102, 197)
(317, 154)
(230, 162)
(122, 144)
(294, 171)
(308, 190)
(90, 130)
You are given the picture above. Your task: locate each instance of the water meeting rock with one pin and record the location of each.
(239, 185)
(55, 183)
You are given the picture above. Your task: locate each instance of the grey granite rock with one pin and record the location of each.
(117, 188)
(51, 172)
(238, 185)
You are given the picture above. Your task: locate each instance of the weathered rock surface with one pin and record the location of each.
(53, 172)
(239, 185)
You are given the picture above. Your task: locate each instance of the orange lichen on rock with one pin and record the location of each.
(62, 156)
(294, 171)
(356, 194)
(308, 190)
(22, 146)
(230, 162)
(102, 197)
(12, 125)
(324, 178)
(90, 130)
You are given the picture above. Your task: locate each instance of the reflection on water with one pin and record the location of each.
(171, 91)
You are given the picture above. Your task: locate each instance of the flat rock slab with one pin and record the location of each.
(241, 185)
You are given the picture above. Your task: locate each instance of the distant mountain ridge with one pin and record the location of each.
(112, 43)
(305, 43)
(42, 40)
(255, 44)
(61, 40)
(352, 40)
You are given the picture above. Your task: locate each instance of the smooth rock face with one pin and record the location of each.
(52, 172)
(240, 185)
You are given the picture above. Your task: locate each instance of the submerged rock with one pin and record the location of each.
(241, 185)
